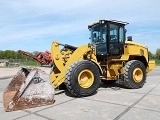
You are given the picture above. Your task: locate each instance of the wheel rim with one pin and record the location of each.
(137, 75)
(85, 78)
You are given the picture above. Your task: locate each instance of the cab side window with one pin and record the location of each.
(113, 33)
(121, 35)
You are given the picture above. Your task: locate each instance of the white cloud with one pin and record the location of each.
(27, 21)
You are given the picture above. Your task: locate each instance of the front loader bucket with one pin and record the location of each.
(29, 88)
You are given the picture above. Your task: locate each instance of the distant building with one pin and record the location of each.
(4, 63)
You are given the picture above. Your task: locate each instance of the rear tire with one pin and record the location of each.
(134, 74)
(82, 78)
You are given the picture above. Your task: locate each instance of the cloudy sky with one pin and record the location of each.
(32, 25)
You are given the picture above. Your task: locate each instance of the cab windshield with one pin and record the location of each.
(98, 33)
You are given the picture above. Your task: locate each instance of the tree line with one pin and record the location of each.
(11, 54)
(156, 55)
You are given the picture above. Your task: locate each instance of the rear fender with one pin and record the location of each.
(151, 65)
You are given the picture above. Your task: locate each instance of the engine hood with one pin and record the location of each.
(135, 43)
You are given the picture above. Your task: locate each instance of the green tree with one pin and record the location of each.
(150, 55)
(158, 53)
(1, 54)
(10, 54)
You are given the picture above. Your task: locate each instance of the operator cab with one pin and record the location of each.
(109, 38)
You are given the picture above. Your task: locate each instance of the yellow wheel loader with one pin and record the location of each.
(107, 58)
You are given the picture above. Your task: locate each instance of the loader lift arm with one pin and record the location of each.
(61, 65)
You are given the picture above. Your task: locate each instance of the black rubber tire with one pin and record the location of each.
(108, 81)
(128, 74)
(71, 78)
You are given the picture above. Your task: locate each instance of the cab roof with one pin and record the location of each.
(111, 21)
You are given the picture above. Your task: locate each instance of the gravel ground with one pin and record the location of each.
(107, 104)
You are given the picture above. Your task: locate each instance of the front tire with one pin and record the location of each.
(134, 74)
(82, 78)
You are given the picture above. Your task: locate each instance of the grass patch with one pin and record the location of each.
(157, 62)
(30, 63)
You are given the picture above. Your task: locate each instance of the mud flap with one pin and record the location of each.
(29, 88)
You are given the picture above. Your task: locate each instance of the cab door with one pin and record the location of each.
(116, 40)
